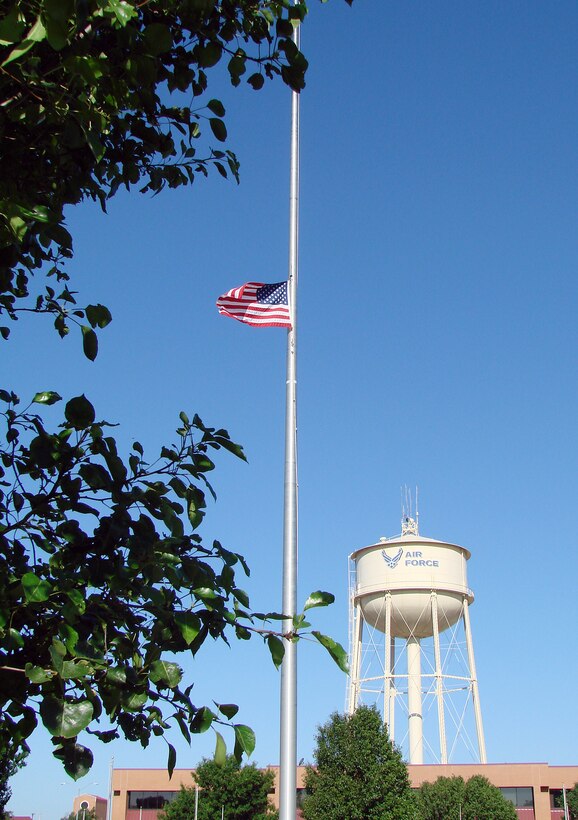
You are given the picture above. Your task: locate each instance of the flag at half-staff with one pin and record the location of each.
(257, 304)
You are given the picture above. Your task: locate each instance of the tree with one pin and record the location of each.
(443, 798)
(90, 610)
(11, 759)
(109, 93)
(475, 799)
(81, 814)
(358, 774)
(103, 576)
(572, 801)
(240, 791)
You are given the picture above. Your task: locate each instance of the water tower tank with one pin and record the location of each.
(410, 567)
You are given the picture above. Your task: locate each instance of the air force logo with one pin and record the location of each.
(412, 559)
(392, 561)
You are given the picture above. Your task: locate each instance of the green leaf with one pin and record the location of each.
(19, 227)
(27, 723)
(36, 674)
(276, 648)
(204, 464)
(218, 128)
(168, 673)
(69, 636)
(229, 445)
(35, 589)
(180, 718)
(172, 760)
(74, 670)
(57, 653)
(116, 676)
(335, 649)
(64, 719)
(79, 413)
(188, 625)
(36, 34)
(123, 11)
(11, 28)
(227, 709)
(244, 738)
(206, 593)
(56, 13)
(241, 596)
(13, 640)
(209, 55)
(237, 67)
(95, 476)
(59, 9)
(220, 755)
(318, 599)
(46, 397)
(92, 137)
(98, 315)
(202, 720)
(77, 600)
(256, 81)
(134, 701)
(89, 342)
(77, 759)
(284, 28)
(40, 213)
(217, 107)
(158, 39)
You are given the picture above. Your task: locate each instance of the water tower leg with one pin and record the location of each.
(439, 678)
(414, 700)
(388, 665)
(474, 682)
(355, 660)
(392, 691)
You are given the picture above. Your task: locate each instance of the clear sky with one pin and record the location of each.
(438, 346)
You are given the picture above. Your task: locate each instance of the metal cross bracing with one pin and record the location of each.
(446, 681)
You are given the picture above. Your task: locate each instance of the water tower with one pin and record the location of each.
(411, 648)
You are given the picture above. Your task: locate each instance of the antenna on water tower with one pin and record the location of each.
(409, 523)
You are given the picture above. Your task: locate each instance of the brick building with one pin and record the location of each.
(139, 794)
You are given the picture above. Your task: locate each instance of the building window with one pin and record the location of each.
(522, 797)
(149, 800)
(556, 799)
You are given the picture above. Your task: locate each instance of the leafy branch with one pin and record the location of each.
(103, 579)
(105, 94)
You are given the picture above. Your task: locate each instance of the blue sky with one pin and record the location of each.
(438, 301)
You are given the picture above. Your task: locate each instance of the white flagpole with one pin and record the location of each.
(288, 751)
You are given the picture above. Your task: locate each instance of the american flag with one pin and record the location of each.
(257, 304)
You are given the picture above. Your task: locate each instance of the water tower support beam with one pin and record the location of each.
(414, 704)
(439, 679)
(393, 690)
(356, 616)
(474, 682)
(388, 666)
